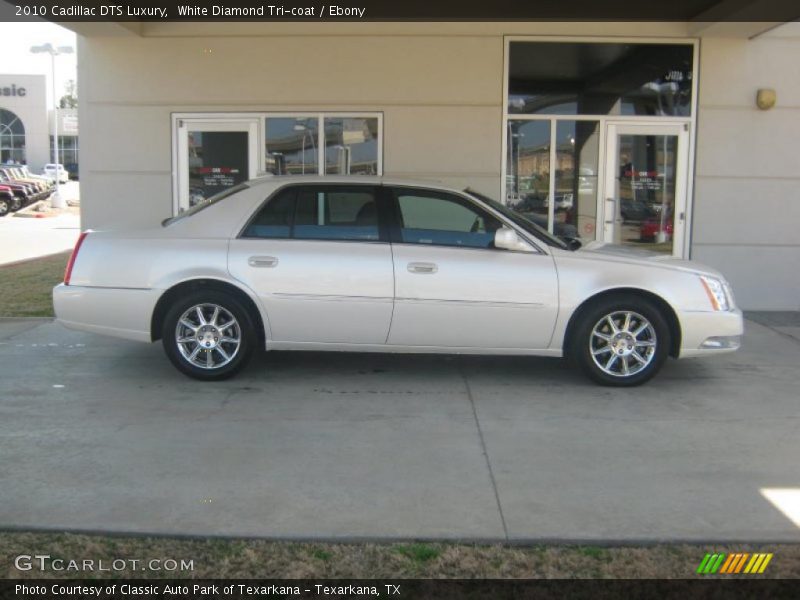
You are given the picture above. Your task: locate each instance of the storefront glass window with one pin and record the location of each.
(561, 78)
(645, 190)
(67, 151)
(291, 145)
(217, 161)
(528, 169)
(577, 149)
(12, 138)
(351, 146)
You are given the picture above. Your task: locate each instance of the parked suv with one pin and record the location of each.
(23, 172)
(7, 200)
(55, 171)
(35, 188)
(24, 193)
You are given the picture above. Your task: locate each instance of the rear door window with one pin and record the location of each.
(336, 215)
(346, 213)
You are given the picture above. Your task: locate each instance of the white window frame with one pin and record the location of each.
(226, 117)
(690, 122)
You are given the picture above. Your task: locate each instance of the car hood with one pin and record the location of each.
(640, 256)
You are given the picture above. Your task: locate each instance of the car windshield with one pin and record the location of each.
(204, 204)
(534, 229)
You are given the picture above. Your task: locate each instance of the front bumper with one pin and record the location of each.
(707, 333)
(119, 312)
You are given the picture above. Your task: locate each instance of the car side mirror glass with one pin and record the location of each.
(507, 239)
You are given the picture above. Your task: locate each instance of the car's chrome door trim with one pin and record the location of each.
(331, 297)
(482, 303)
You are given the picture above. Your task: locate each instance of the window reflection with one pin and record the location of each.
(351, 146)
(528, 169)
(217, 161)
(292, 145)
(600, 79)
(645, 190)
(12, 138)
(577, 149)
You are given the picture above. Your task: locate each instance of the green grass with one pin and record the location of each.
(592, 552)
(26, 288)
(252, 558)
(418, 553)
(321, 554)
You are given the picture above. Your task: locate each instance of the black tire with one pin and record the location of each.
(5, 207)
(211, 335)
(617, 361)
(16, 204)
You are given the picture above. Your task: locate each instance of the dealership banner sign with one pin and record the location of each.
(408, 10)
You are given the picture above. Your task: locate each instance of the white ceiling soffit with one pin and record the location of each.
(104, 28)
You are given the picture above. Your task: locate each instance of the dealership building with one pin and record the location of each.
(678, 137)
(26, 125)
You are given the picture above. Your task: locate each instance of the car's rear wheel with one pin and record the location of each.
(5, 207)
(16, 204)
(620, 341)
(208, 335)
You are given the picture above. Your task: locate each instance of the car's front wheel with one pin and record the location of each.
(208, 335)
(620, 341)
(5, 207)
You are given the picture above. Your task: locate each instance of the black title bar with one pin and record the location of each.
(406, 589)
(402, 10)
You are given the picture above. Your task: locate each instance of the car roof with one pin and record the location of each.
(278, 180)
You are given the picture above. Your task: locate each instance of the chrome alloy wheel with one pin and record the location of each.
(208, 336)
(622, 343)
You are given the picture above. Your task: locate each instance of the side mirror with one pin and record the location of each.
(507, 239)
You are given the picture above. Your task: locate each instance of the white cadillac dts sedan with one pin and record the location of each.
(378, 265)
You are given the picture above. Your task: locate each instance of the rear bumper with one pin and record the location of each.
(707, 333)
(123, 313)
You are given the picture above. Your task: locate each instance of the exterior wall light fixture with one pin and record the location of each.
(766, 98)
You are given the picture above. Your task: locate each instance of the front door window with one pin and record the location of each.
(440, 219)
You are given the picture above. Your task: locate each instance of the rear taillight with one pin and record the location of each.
(73, 256)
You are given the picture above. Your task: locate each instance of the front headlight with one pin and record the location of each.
(717, 291)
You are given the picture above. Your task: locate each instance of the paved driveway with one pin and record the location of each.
(100, 434)
(25, 238)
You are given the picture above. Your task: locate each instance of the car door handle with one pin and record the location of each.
(262, 261)
(423, 268)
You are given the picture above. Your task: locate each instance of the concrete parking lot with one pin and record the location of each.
(101, 434)
(25, 238)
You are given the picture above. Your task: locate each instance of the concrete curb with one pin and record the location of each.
(355, 539)
(26, 319)
(26, 260)
(32, 211)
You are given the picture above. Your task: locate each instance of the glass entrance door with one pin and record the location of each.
(645, 189)
(213, 156)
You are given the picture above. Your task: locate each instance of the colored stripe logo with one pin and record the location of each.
(734, 563)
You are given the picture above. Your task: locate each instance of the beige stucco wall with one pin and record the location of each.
(747, 177)
(440, 87)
